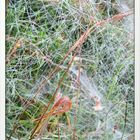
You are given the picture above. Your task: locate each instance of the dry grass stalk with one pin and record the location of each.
(54, 94)
(114, 18)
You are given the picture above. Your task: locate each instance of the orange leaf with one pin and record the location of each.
(61, 105)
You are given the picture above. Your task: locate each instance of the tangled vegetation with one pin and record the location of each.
(69, 70)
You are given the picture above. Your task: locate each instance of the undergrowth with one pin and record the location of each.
(39, 34)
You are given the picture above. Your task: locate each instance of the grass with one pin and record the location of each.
(39, 34)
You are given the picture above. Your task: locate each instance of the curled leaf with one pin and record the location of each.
(61, 105)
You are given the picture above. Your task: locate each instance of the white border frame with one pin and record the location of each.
(2, 69)
(137, 70)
